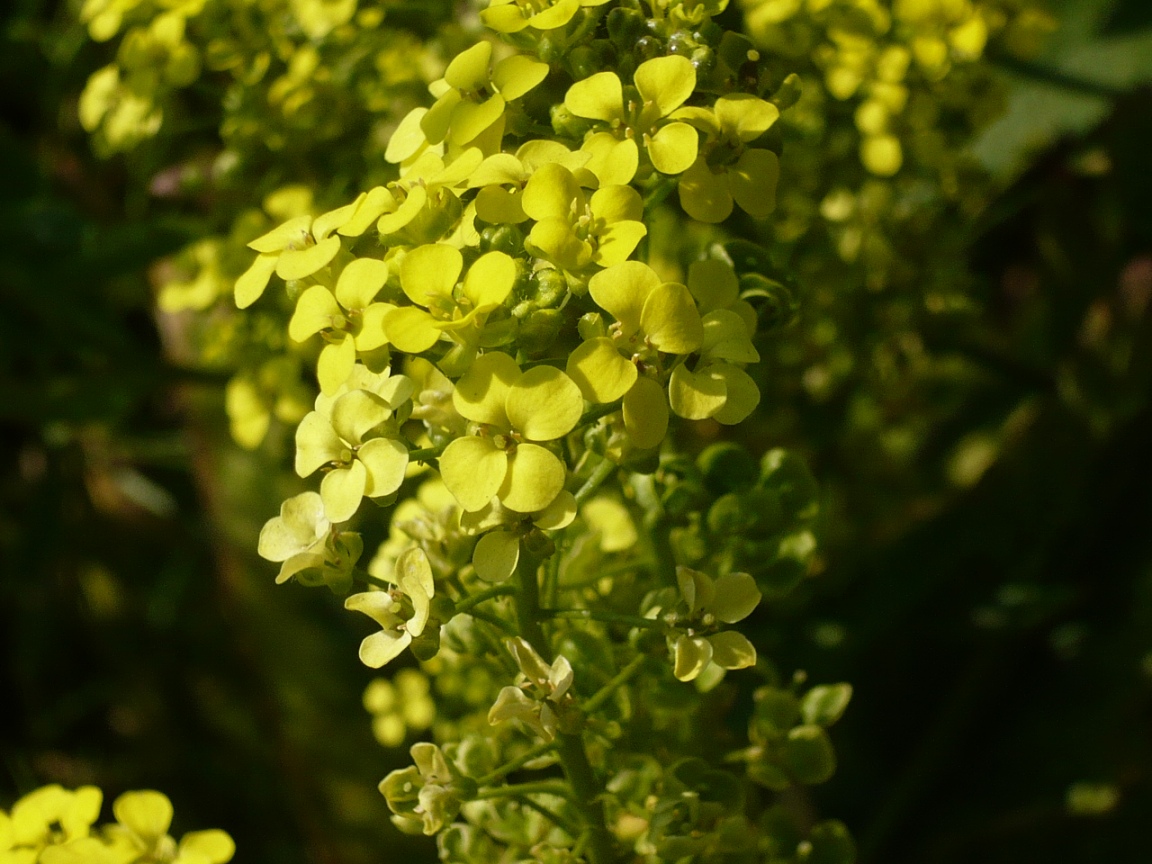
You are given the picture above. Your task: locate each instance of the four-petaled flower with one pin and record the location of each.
(428, 275)
(402, 612)
(727, 169)
(549, 685)
(662, 85)
(515, 413)
(512, 16)
(708, 603)
(574, 230)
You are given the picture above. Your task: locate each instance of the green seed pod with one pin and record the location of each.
(539, 328)
(508, 239)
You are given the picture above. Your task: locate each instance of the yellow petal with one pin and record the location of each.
(732, 650)
(298, 263)
(473, 470)
(342, 489)
(600, 371)
(544, 404)
(752, 181)
(691, 654)
(713, 283)
(741, 394)
(498, 205)
(673, 148)
(212, 846)
(550, 193)
(559, 514)
(377, 202)
(556, 240)
(535, 477)
(383, 647)
(148, 814)
(408, 138)
(745, 116)
(316, 443)
(411, 329)
(616, 203)
(254, 280)
(386, 461)
(481, 393)
(617, 242)
(429, 273)
(695, 396)
(294, 232)
(316, 310)
(469, 69)
(666, 82)
(496, 555)
(613, 161)
(621, 291)
(500, 169)
(516, 75)
(357, 413)
(671, 320)
(704, 195)
(372, 334)
(735, 597)
(597, 97)
(726, 338)
(471, 119)
(408, 210)
(646, 413)
(360, 282)
(489, 280)
(335, 364)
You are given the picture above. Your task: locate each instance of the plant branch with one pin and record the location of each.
(487, 594)
(622, 677)
(599, 474)
(517, 763)
(605, 617)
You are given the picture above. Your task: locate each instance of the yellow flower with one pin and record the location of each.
(574, 230)
(662, 85)
(513, 412)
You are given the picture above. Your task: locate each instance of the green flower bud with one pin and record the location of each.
(508, 239)
(539, 330)
(625, 26)
(726, 467)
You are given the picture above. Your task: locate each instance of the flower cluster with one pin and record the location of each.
(54, 825)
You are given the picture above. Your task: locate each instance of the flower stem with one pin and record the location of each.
(606, 617)
(593, 414)
(564, 825)
(622, 677)
(599, 474)
(537, 787)
(495, 620)
(487, 594)
(585, 787)
(517, 763)
(425, 454)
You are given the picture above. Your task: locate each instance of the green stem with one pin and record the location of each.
(364, 576)
(622, 677)
(606, 617)
(587, 790)
(585, 787)
(537, 787)
(517, 763)
(487, 594)
(564, 825)
(599, 474)
(494, 620)
(425, 454)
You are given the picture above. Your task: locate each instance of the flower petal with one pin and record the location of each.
(673, 148)
(753, 180)
(411, 329)
(732, 650)
(666, 82)
(695, 395)
(252, 282)
(342, 489)
(496, 556)
(735, 597)
(597, 97)
(544, 404)
(473, 469)
(535, 477)
(600, 371)
(482, 392)
(691, 655)
(386, 461)
(741, 394)
(671, 320)
(490, 280)
(316, 443)
(360, 282)
(316, 310)
(621, 291)
(646, 413)
(429, 273)
(298, 263)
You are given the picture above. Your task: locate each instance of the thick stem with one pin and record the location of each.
(586, 788)
(599, 474)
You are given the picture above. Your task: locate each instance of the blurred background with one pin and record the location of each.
(985, 579)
